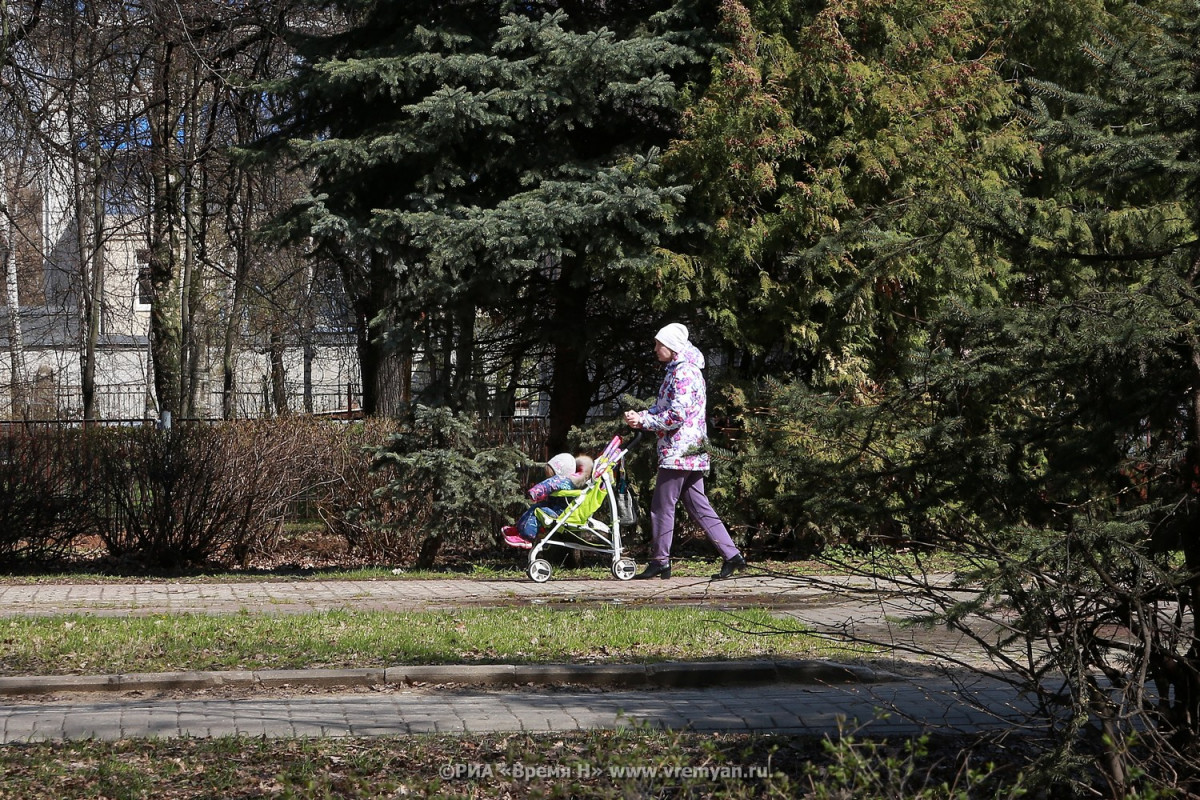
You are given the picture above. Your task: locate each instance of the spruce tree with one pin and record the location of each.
(480, 160)
(1130, 155)
(1050, 438)
(1044, 432)
(451, 484)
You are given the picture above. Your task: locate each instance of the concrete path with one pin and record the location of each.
(751, 696)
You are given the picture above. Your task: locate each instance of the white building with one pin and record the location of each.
(44, 277)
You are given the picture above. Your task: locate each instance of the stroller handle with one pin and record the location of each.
(637, 437)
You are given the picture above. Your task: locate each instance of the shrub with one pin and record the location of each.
(348, 497)
(184, 496)
(40, 491)
(199, 494)
(451, 484)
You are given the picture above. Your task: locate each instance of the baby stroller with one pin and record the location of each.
(577, 528)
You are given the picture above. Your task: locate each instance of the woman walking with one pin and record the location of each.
(679, 418)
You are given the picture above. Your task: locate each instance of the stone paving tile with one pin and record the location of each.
(303, 596)
(809, 707)
(771, 708)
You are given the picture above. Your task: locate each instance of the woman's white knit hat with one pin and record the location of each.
(674, 336)
(563, 465)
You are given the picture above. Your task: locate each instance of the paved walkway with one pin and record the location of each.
(762, 696)
(777, 708)
(396, 595)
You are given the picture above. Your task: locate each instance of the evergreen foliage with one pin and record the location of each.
(437, 466)
(498, 159)
(833, 159)
(1051, 436)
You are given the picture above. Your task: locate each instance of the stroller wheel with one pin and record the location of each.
(539, 570)
(624, 568)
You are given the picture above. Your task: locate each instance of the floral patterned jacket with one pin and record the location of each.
(679, 415)
(540, 492)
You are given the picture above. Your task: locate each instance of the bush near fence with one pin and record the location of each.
(440, 465)
(210, 494)
(42, 489)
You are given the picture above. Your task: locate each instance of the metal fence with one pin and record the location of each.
(62, 407)
(526, 433)
(128, 404)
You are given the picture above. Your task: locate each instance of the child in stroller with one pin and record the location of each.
(563, 472)
(591, 520)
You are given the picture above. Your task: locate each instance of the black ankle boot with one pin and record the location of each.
(654, 570)
(731, 565)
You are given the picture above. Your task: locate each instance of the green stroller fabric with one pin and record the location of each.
(578, 512)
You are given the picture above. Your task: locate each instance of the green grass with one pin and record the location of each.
(85, 644)
(594, 764)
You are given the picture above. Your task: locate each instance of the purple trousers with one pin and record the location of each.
(672, 486)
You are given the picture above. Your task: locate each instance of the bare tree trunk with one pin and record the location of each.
(240, 204)
(16, 340)
(166, 336)
(309, 355)
(505, 404)
(194, 241)
(90, 237)
(385, 374)
(87, 195)
(187, 330)
(229, 384)
(278, 376)
(385, 380)
(462, 398)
